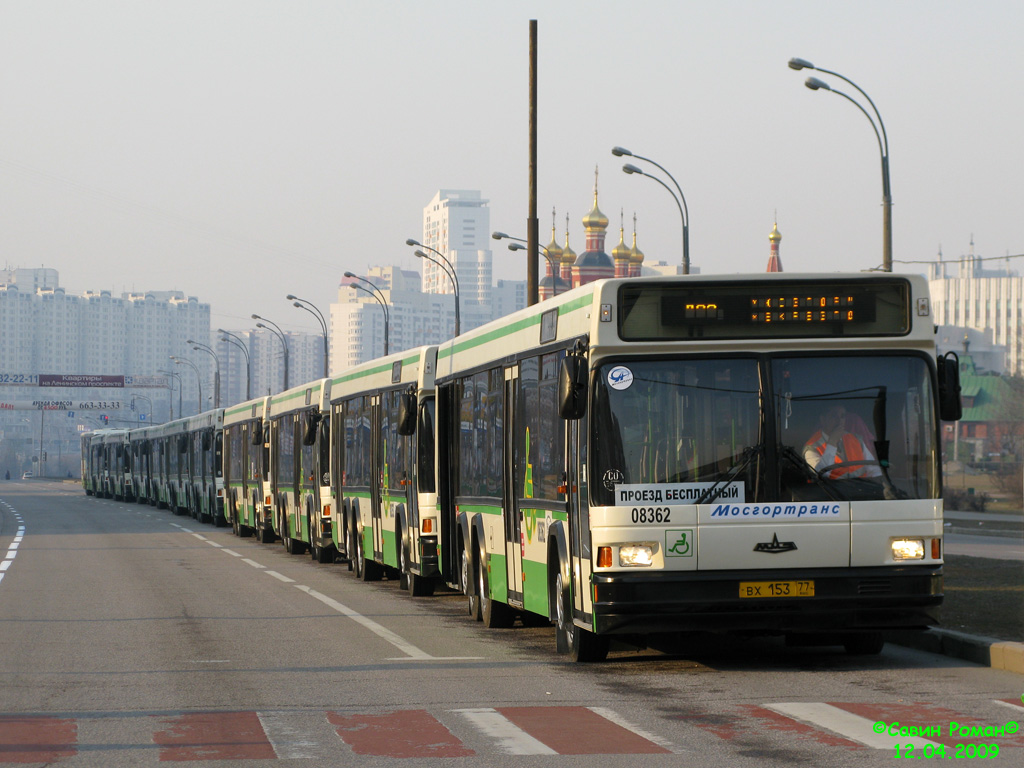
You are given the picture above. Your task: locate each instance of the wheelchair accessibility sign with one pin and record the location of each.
(679, 543)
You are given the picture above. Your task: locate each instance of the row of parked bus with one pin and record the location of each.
(629, 458)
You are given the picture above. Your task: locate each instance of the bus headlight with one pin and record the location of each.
(636, 555)
(908, 549)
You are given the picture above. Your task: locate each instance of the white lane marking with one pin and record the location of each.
(383, 632)
(199, 536)
(620, 721)
(1009, 704)
(853, 727)
(279, 577)
(510, 738)
(5, 564)
(10, 554)
(14, 545)
(231, 552)
(253, 563)
(287, 739)
(214, 544)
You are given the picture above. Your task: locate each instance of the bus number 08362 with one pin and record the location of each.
(651, 514)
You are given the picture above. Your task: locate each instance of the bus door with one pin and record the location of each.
(513, 481)
(377, 431)
(577, 495)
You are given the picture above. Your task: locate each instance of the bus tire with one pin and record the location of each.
(579, 644)
(493, 614)
(864, 643)
(467, 577)
(368, 570)
(403, 561)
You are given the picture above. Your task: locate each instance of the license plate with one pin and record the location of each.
(776, 589)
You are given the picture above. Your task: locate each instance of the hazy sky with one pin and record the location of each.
(239, 150)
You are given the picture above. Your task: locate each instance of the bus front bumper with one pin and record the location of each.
(897, 597)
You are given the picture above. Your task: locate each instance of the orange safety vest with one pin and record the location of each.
(851, 447)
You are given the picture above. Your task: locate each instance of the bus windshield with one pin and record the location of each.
(849, 427)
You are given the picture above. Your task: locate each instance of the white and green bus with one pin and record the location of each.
(660, 455)
(382, 449)
(299, 457)
(247, 494)
(204, 487)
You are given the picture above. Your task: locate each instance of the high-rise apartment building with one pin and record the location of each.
(457, 222)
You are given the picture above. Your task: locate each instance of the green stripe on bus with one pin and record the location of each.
(373, 371)
(462, 346)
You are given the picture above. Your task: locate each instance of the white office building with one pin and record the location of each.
(457, 222)
(967, 295)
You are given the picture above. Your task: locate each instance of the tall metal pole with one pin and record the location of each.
(883, 145)
(532, 223)
(284, 342)
(315, 311)
(378, 294)
(233, 339)
(449, 269)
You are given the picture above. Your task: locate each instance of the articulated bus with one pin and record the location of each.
(738, 453)
(382, 435)
(245, 462)
(299, 469)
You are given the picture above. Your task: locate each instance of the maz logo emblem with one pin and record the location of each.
(775, 546)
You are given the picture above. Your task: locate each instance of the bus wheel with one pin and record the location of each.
(864, 643)
(580, 644)
(403, 563)
(465, 572)
(368, 569)
(493, 614)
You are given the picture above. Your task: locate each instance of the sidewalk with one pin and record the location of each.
(998, 654)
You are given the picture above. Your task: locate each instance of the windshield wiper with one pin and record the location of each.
(730, 474)
(826, 484)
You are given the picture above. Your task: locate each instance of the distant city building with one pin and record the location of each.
(457, 222)
(265, 355)
(980, 299)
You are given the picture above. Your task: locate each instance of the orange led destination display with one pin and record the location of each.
(805, 309)
(764, 309)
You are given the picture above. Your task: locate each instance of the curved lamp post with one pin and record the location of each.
(199, 383)
(883, 146)
(231, 338)
(170, 394)
(521, 244)
(377, 294)
(315, 312)
(684, 211)
(449, 269)
(198, 347)
(276, 330)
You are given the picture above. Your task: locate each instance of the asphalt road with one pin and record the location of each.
(131, 637)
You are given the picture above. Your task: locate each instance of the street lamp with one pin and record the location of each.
(381, 299)
(449, 269)
(197, 346)
(313, 310)
(552, 262)
(280, 335)
(233, 339)
(143, 397)
(170, 394)
(684, 211)
(199, 383)
(883, 146)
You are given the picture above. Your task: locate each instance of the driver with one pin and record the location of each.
(833, 446)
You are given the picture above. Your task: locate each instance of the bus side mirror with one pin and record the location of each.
(311, 421)
(950, 407)
(407, 414)
(257, 433)
(572, 387)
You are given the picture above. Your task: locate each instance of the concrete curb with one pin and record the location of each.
(988, 651)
